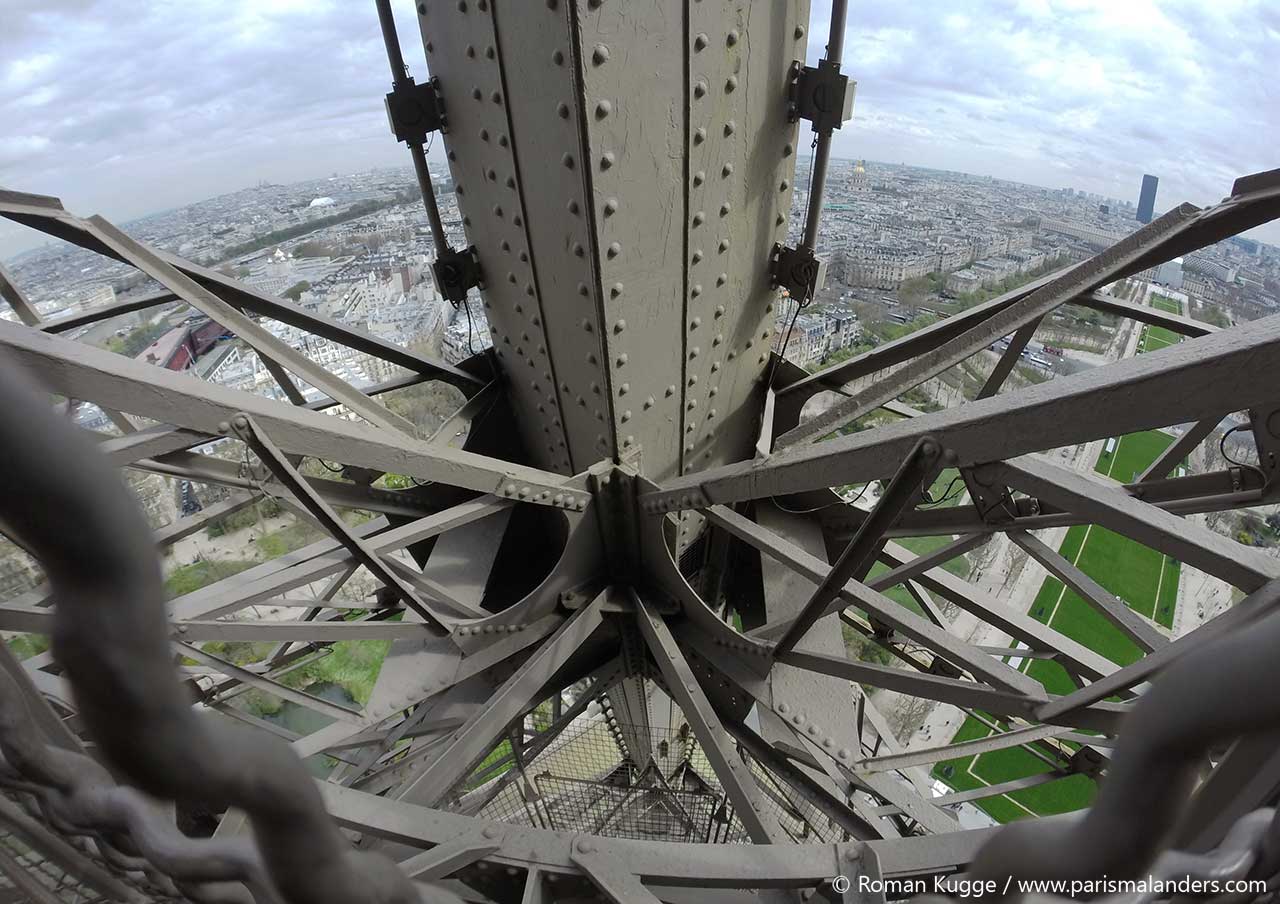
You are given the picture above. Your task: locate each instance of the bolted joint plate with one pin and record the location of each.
(798, 271)
(663, 501)
(415, 111)
(456, 271)
(822, 95)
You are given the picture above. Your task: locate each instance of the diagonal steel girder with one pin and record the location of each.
(1254, 199)
(78, 371)
(917, 470)
(268, 346)
(918, 628)
(250, 434)
(49, 216)
(1225, 371)
(1111, 507)
(1079, 280)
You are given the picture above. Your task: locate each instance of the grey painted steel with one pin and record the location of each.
(986, 791)
(80, 372)
(1257, 604)
(251, 679)
(800, 386)
(822, 150)
(928, 561)
(1179, 449)
(126, 305)
(206, 469)
(681, 683)
(1012, 354)
(1183, 326)
(1111, 507)
(624, 236)
(1085, 278)
(855, 594)
(917, 470)
(47, 215)
(273, 458)
(1192, 380)
(1103, 717)
(703, 865)
(470, 743)
(10, 292)
(263, 342)
(1016, 737)
(1012, 621)
(136, 685)
(1171, 728)
(615, 881)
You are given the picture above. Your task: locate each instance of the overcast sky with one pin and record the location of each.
(125, 107)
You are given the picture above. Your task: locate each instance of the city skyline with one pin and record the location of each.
(244, 92)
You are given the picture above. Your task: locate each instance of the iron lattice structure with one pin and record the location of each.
(614, 591)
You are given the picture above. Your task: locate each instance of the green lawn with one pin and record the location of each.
(1155, 338)
(1144, 578)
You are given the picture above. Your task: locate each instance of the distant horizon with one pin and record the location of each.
(1039, 92)
(43, 241)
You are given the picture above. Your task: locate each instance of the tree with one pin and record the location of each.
(295, 291)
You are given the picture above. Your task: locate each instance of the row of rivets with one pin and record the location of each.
(490, 629)
(671, 503)
(531, 494)
(512, 294)
(754, 649)
(815, 732)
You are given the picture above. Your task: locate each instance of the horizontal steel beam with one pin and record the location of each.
(1176, 323)
(1090, 275)
(1108, 505)
(1225, 371)
(107, 311)
(48, 215)
(78, 371)
(1103, 717)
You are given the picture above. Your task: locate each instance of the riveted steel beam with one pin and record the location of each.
(1105, 717)
(47, 215)
(473, 740)
(78, 371)
(862, 597)
(1227, 370)
(1085, 278)
(917, 470)
(273, 458)
(1182, 540)
(734, 775)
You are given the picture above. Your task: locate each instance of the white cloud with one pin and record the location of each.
(1087, 93)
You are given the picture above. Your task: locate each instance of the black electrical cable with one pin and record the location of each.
(818, 508)
(1222, 447)
(947, 495)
